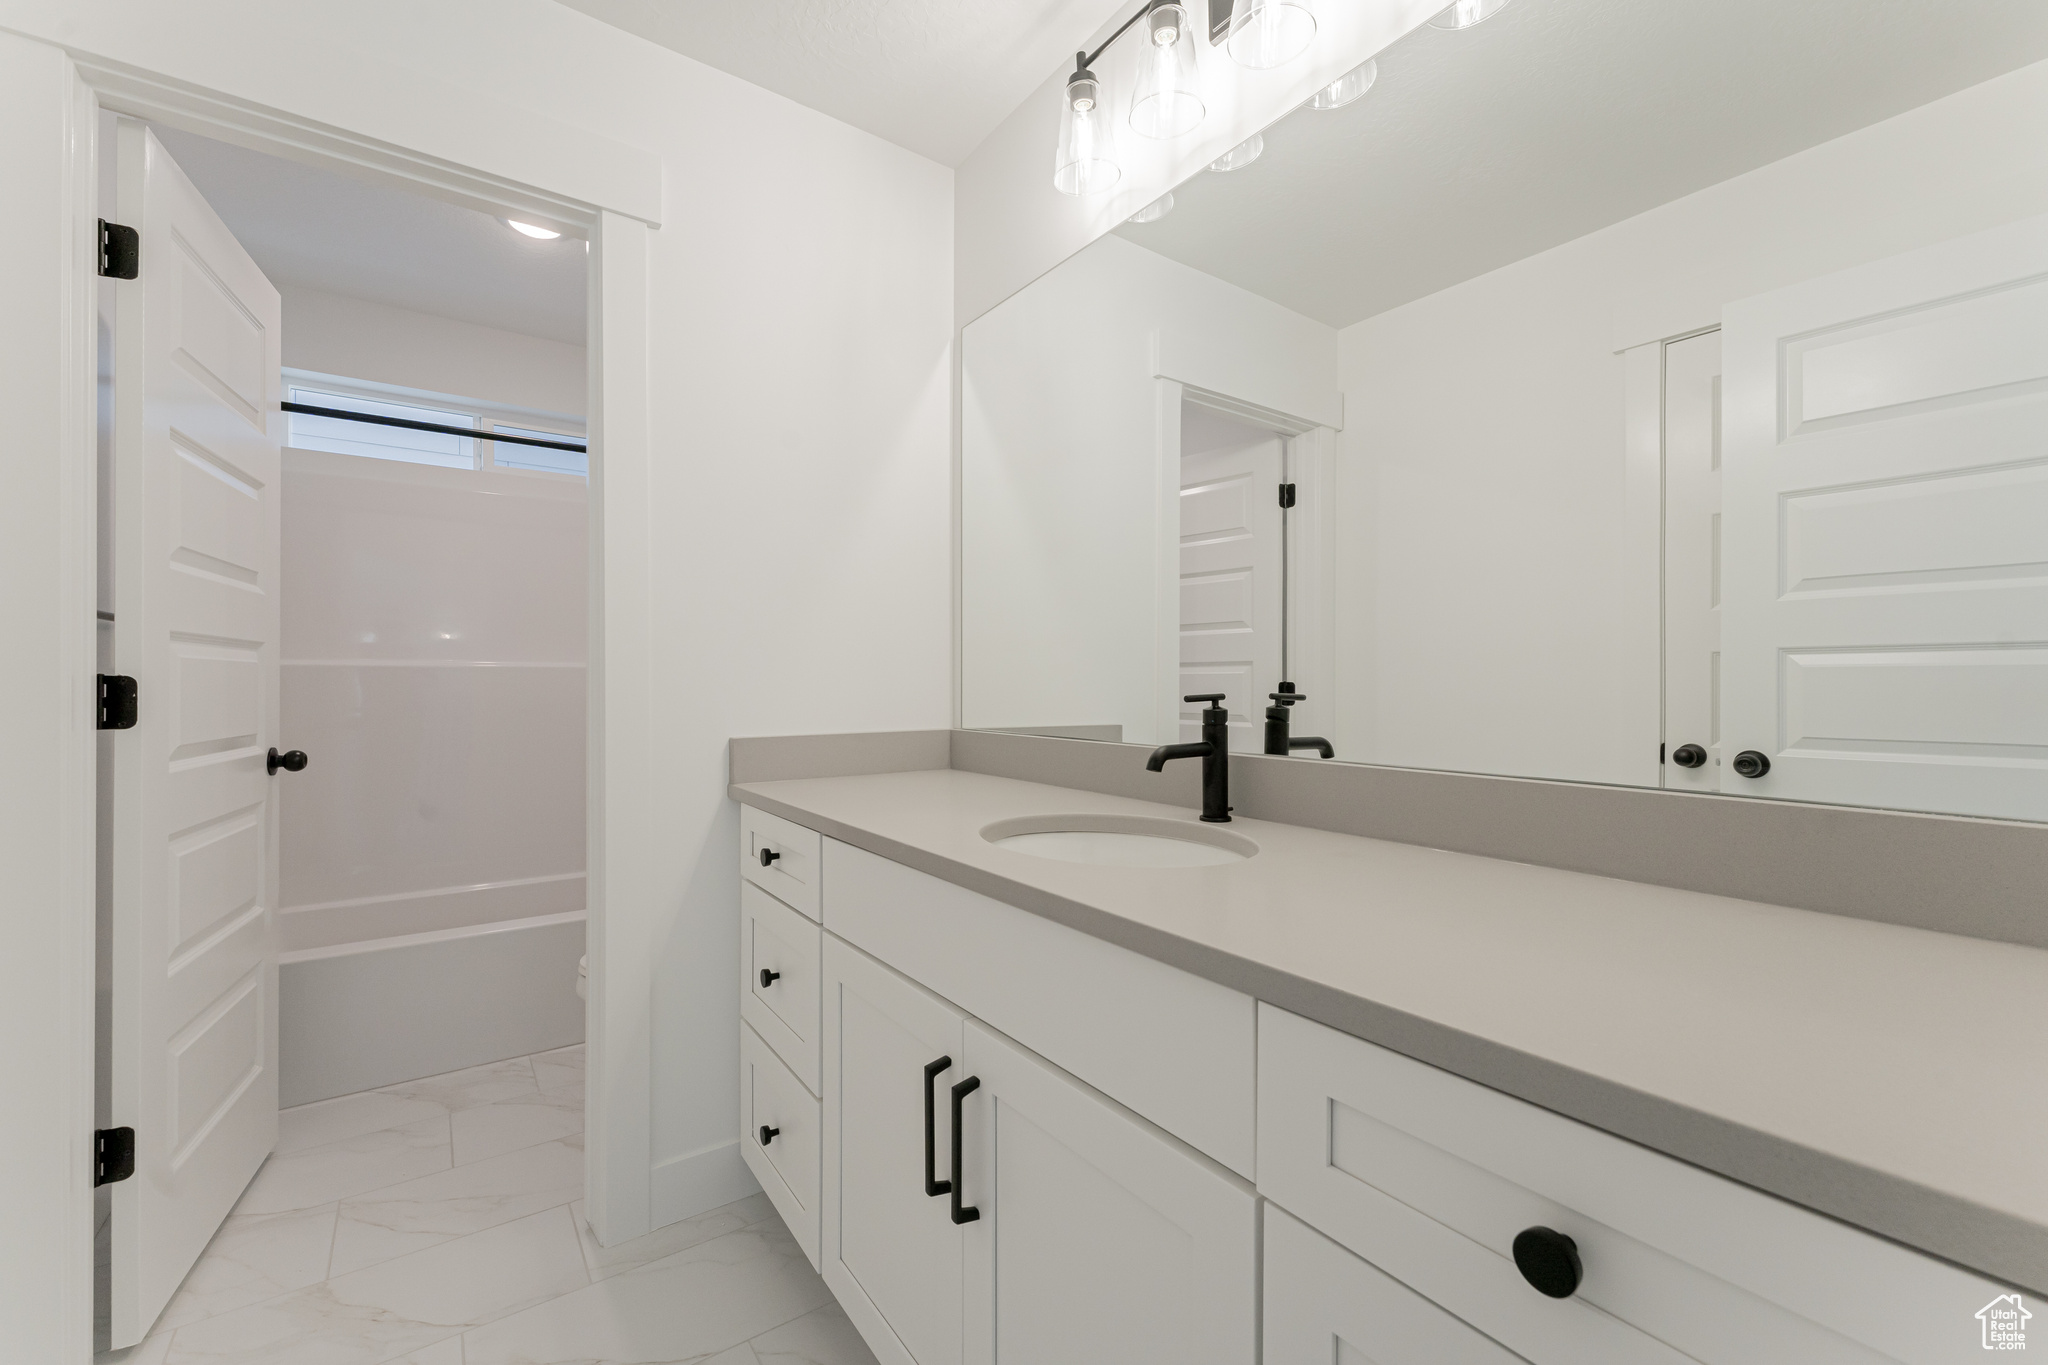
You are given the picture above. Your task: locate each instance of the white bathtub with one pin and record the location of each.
(363, 1015)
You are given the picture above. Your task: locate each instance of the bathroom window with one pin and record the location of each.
(447, 450)
(507, 456)
(344, 437)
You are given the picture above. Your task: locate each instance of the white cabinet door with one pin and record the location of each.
(1885, 619)
(1325, 1306)
(1095, 1237)
(890, 1251)
(193, 1042)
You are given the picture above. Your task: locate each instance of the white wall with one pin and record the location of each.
(357, 339)
(433, 662)
(1069, 503)
(799, 303)
(1491, 611)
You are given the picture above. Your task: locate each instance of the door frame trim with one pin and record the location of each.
(619, 1105)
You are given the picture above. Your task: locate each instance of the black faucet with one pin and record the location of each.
(1213, 750)
(1277, 741)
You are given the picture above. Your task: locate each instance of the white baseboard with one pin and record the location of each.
(697, 1182)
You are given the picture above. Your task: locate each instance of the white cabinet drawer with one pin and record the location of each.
(1324, 1305)
(1431, 1177)
(1178, 1050)
(779, 979)
(781, 858)
(774, 1104)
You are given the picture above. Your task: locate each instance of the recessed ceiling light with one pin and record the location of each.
(530, 230)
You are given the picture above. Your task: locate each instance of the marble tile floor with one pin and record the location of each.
(440, 1222)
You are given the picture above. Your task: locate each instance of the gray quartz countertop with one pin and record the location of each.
(1892, 1077)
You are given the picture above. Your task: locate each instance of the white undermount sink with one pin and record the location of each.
(1120, 840)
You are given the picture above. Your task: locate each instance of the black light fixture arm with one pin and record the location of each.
(1085, 60)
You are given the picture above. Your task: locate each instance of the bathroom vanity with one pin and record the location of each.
(1020, 1107)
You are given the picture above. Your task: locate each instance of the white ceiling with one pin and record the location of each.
(935, 76)
(322, 230)
(1556, 118)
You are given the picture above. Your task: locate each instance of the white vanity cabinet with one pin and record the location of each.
(1017, 1143)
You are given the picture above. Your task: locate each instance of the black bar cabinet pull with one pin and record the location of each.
(933, 1186)
(961, 1092)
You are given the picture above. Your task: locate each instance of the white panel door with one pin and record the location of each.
(890, 1250)
(1230, 589)
(1097, 1238)
(195, 484)
(1885, 618)
(1692, 561)
(1325, 1306)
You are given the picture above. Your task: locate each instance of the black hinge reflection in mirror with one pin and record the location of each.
(118, 702)
(1287, 495)
(120, 251)
(113, 1155)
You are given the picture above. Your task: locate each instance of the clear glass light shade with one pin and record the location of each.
(532, 230)
(1087, 161)
(1155, 210)
(1168, 101)
(1350, 86)
(1269, 33)
(1242, 155)
(1465, 13)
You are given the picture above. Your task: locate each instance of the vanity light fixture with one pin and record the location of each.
(1168, 101)
(1348, 87)
(1155, 210)
(1264, 34)
(532, 230)
(1466, 13)
(1086, 163)
(1242, 155)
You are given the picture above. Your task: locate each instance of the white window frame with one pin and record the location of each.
(487, 415)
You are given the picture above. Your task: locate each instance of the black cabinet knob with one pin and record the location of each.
(768, 978)
(1750, 763)
(293, 762)
(768, 855)
(768, 1134)
(1549, 1261)
(1689, 756)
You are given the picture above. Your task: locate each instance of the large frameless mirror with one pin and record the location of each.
(1637, 394)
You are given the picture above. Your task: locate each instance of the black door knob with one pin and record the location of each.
(768, 1134)
(768, 855)
(293, 762)
(1549, 1261)
(768, 978)
(1689, 756)
(1750, 763)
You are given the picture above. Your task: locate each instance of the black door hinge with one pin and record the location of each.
(1287, 495)
(118, 694)
(113, 1155)
(1660, 753)
(120, 251)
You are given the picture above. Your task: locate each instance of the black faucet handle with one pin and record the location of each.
(1213, 698)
